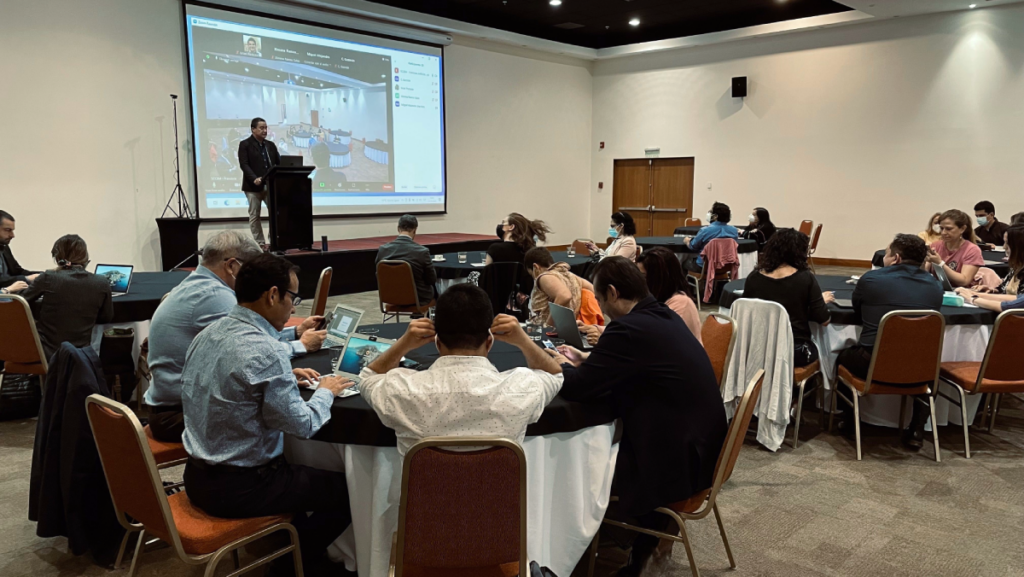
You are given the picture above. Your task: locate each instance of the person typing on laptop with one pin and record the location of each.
(902, 284)
(205, 296)
(462, 393)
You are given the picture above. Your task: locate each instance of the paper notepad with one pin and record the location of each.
(479, 264)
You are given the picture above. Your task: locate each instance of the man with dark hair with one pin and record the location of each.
(418, 256)
(13, 277)
(718, 227)
(462, 393)
(902, 284)
(325, 178)
(240, 396)
(256, 156)
(990, 231)
(654, 375)
(1017, 219)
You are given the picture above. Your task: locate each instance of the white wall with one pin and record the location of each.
(868, 129)
(90, 150)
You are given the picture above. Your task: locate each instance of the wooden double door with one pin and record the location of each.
(656, 192)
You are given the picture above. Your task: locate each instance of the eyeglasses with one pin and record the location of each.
(296, 300)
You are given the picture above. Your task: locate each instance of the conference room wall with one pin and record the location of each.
(94, 156)
(867, 129)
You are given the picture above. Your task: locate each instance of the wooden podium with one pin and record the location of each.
(291, 207)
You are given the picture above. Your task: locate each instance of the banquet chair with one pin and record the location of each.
(696, 279)
(21, 353)
(692, 222)
(814, 241)
(806, 227)
(462, 513)
(905, 362)
(701, 504)
(323, 290)
(396, 289)
(138, 494)
(718, 334)
(500, 280)
(802, 376)
(1001, 370)
(580, 245)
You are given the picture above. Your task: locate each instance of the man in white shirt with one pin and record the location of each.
(462, 393)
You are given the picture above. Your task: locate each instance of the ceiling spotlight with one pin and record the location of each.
(634, 22)
(555, 2)
(973, 6)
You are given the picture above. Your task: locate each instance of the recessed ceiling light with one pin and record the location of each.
(634, 22)
(555, 2)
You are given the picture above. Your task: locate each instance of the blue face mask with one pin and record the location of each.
(982, 220)
(613, 233)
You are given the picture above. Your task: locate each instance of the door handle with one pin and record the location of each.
(634, 208)
(669, 210)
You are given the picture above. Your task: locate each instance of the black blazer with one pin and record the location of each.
(417, 255)
(67, 304)
(15, 272)
(250, 159)
(655, 376)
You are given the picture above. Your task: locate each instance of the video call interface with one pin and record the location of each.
(368, 117)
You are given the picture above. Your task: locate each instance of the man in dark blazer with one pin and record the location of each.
(13, 277)
(256, 156)
(652, 373)
(405, 248)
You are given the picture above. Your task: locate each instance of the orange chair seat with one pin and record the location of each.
(878, 388)
(202, 534)
(294, 322)
(13, 368)
(164, 452)
(693, 504)
(801, 374)
(965, 374)
(503, 570)
(408, 308)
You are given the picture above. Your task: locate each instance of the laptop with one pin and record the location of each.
(291, 161)
(341, 323)
(118, 275)
(565, 325)
(940, 273)
(360, 351)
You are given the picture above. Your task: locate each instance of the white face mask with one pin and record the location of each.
(711, 216)
(751, 218)
(936, 228)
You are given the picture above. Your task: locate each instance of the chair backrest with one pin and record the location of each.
(1001, 362)
(20, 349)
(814, 239)
(499, 280)
(806, 227)
(463, 509)
(691, 222)
(130, 469)
(737, 432)
(323, 290)
(908, 349)
(727, 245)
(580, 244)
(718, 335)
(396, 284)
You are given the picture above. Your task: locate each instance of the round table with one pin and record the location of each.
(144, 294)
(995, 260)
(966, 337)
(341, 155)
(378, 151)
(678, 244)
(451, 268)
(570, 456)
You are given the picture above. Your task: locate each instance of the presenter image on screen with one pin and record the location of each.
(256, 156)
(252, 46)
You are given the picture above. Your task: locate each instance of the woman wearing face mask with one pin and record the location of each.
(75, 299)
(621, 229)
(931, 232)
(760, 229)
(1009, 294)
(719, 217)
(956, 252)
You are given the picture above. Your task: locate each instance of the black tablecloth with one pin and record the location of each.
(676, 243)
(687, 230)
(337, 148)
(1001, 268)
(144, 295)
(451, 268)
(353, 422)
(845, 316)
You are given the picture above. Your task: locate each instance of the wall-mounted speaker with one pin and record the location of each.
(739, 87)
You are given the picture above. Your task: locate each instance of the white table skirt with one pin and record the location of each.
(341, 160)
(748, 262)
(569, 480)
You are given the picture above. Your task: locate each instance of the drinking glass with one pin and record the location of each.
(571, 251)
(462, 258)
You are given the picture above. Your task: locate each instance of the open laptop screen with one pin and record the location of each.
(118, 275)
(343, 323)
(360, 353)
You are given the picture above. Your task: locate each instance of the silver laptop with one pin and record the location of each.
(118, 275)
(565, 324)
(940, 273)
(341, 323)
(360, 351)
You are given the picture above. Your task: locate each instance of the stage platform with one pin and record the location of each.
(354, 260)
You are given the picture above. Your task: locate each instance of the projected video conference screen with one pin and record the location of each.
(367, 112)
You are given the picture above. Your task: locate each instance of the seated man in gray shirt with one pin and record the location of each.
(240, 396)
(406, 248)
(206, 295)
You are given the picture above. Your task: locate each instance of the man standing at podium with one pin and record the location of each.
(256, 156)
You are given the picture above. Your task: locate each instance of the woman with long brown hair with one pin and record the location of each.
(520, 235)
(1010, 291)
(71, 300)
(956, 252)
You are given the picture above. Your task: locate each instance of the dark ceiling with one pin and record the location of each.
(605, 23)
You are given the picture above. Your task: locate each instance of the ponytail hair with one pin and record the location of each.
(70, 251)
(525, 229)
